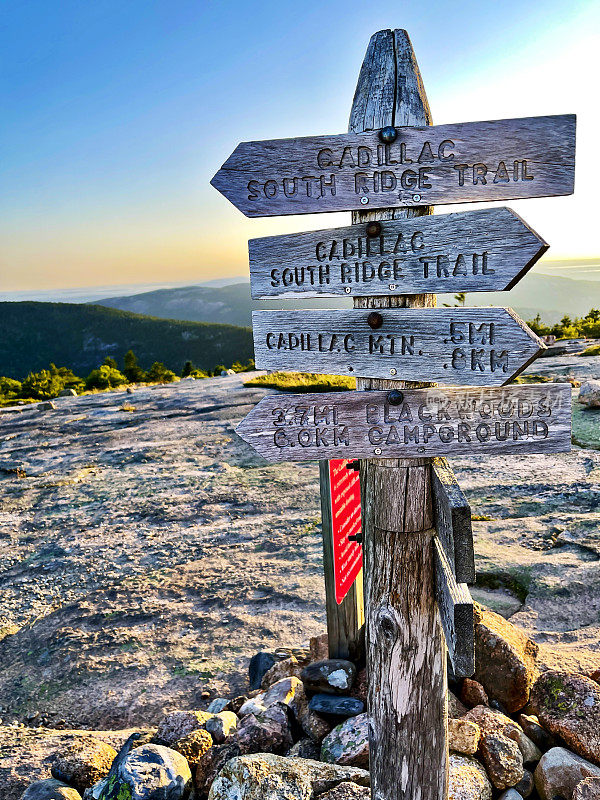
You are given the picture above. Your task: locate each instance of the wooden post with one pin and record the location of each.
(345, 620)
(406, 654)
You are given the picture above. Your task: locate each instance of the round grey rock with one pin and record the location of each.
(50, 789)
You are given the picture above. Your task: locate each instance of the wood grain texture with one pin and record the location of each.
(459, 163)
(473, 251)
(453, 521)
(345, 620)
(456, 611)
(466, 346)
(531, 418)
(406, 657)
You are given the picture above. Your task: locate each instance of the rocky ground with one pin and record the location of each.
(146, 552)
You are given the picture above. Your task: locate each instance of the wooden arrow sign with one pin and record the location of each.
(475, 251)
(456, 346)
(499, 160)
(534, 418)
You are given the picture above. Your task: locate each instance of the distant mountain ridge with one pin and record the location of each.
(552, 297)
(80, 336)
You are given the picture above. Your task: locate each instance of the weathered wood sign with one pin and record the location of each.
(498, 160)
(466, 346)
(474, 251)
(456, 613)
(534, 418)
(452, 515)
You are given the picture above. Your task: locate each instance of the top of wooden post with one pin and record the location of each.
(390, 89)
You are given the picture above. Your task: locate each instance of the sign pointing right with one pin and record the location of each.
(474, 251)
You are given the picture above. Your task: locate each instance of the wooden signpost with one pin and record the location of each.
(474, 251)
(416, 526)
(469, 346)
(503, 159)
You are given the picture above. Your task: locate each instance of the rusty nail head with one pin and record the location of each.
(388, 134)
(374, 320)
(373, 229)
(395, 397)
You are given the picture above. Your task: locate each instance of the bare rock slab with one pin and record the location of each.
(504, 659)
(265, 776)
(468, 779)
(568, 705)
(559, 772)
(348, 743)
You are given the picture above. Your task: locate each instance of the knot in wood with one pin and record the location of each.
(386, 624)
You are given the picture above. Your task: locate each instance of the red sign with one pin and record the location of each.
(345, 515)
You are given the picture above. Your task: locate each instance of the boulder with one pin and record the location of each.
(336, 705)
(82, 762)
(178, 724)
(305, 748)
(267, 731)
(568, 705)
(589, 394)
(347, 791)
(540, 737)
(503, 760)
(332, 675)
(259, 665)
(283, 691)
(504, 659)
(212, 762)
(221, 725)
(50, 789)
(473, 694)
(149, 772)
(47, 405)
(559, 772)
(463, 736)
(193, 746)
(265, 776)
(588, 789)
(491, 721)
(217, 705)
(348, 743)
(289, 667)
(67, 393)
(468, 780)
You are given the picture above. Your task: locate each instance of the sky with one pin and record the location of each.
(117, 114)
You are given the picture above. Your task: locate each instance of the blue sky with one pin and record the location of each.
(117, 114)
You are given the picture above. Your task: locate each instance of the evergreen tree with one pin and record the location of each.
(188, 368)
(132, 370)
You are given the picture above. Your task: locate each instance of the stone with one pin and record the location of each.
(259, 665)
(468, 779)
(284, 691)
(559, 772)
(82, 762)
(289, 667)
(336, 705)
(540, 737)
(491, 721)
(212, 762)
(595, 675)
(311, 723)
(333, 675)
(217, 705)
(178, 724)
(455, 708)
(504, 659)
(568, 705)
(319, 647)
(265, 776)
(463, 736)
(588, 789)
(525, 786)
(50, 789)
(149, 772)
(347, 791)
(237, 702)
(47, 405)
(511, 794)
(503, 760)
(589, 394)
(305, 748)
(194, 745)
(222, 725)
(266, 731)
(67, 393)
(360, 688)
(473, 694)
(348, 743)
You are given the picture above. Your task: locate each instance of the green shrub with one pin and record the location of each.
(594, 350)
(303, 382)
(158, 373)
(567, 328)
(105, 377)
(10, 390)
(248, 367)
